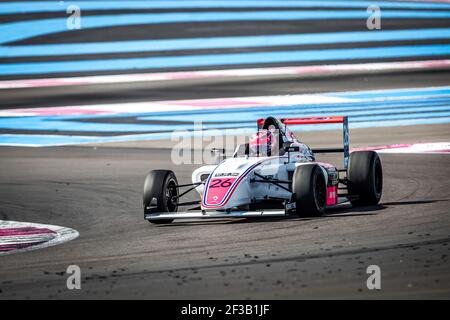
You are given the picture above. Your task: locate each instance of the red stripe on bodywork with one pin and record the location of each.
(331, 195)
(250, 169)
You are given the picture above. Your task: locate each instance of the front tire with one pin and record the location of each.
(365, 178)
(310, 190)
(162, 185)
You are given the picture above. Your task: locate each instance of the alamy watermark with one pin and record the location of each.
(374, 280)
(374, 20)
(207, 147)
(74, 280)
(74, 19)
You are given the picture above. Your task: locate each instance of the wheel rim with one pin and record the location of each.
(320, 194)
(171, 196)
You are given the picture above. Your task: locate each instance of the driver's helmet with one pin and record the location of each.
(263, 143)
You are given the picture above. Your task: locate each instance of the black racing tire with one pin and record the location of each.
(310, 190)
(162, 185)
(365, 178)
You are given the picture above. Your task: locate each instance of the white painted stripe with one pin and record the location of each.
(62, 234)
(303, 71)
(429, 147)
(145, 110)
(26, 238)
(148, 107)
(175, 105)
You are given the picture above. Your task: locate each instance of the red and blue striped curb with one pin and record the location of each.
(23, 236)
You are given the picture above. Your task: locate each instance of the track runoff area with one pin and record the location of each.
(86, 113)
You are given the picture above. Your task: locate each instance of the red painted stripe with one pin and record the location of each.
(6, 232)
(168, 76)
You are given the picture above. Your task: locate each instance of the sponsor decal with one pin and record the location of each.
(331, 195)
(217, 189)
(222, 190)
(225, 174)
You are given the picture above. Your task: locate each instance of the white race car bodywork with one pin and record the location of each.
(249, 185)
(235, 183)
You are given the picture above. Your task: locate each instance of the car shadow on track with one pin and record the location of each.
(400, 203)
(343, 211)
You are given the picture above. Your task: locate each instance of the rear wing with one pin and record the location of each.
(324, 120)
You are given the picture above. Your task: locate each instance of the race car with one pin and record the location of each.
(272, 175)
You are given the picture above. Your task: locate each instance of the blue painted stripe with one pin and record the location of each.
(432, 105)
(55, 140)
(393, 93)
(403, 116)
(16, 31)
(401, 122)
(429, 100)
(245, 117)
(374, 124)
(57, 124)
(59, 6)
(250, 115)
(429, 96)
(222, 42)
(45, 140)
(225, 59)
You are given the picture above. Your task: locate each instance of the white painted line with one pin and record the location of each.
(175, 105)
(429, 147)
(303, 71)
(148, 107)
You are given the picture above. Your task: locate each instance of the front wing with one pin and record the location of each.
(214, 214)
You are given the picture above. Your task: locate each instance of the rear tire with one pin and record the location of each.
(310, 190)
(365, 178)
(162, 185)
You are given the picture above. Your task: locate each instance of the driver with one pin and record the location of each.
(263, 143)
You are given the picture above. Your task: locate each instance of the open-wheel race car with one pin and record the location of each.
(274, 174)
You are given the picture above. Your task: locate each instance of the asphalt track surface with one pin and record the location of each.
(97, 189)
